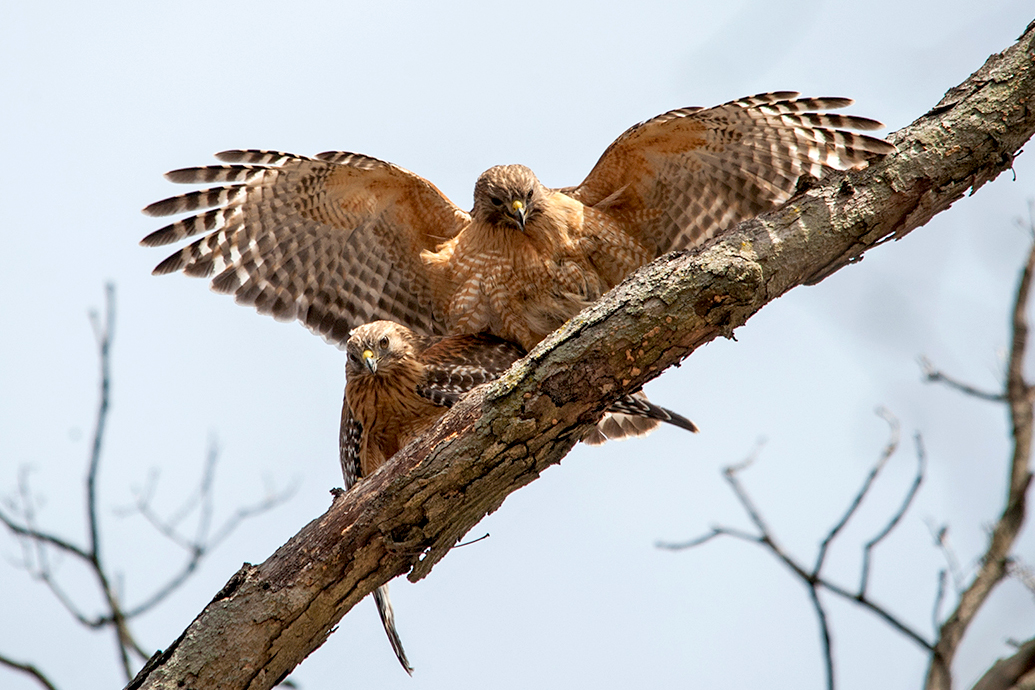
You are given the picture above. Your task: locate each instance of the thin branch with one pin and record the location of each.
(932, 375)
(939, 597)
(824, 628)
(35, 545)
(897, 517)
(889, 450)
(473, 541)
(103, 332)
(814, 579)
(28, 669)
(730, 475)
(718, 531)
(940, 535)
(198, 551)
(880, 612)
(42, 537)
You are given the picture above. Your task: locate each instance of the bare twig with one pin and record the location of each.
(880, 612)
(473, 541)
(940, 535)
(28, 669)
(197, 550)
(932, 375)
(824, 628)
(104, 331)
(26, 528)
(897, 517)
(939, 597)
(889, 450)
(35, 541)
(245, 512)
(716, 532)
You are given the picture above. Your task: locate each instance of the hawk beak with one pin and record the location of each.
(371, 362)
(519, 213)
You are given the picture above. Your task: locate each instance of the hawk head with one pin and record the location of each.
(508, 196)
(380, 348)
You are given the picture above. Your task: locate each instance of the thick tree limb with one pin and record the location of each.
(411, 512)
(1008, 674)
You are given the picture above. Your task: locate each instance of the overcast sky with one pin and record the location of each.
(98, 100)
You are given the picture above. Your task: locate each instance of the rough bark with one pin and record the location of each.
(1016, 672)
(408, 515)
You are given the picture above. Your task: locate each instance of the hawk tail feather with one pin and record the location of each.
(617, 425)
(384, 609)
(631, 416)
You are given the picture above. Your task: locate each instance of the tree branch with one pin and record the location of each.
(921, 462)
(1005, 673)
(932, 375)
(814, 579)
(995, 561)
(889, 450)
(409, 514)
(29, 670)
(38, 545)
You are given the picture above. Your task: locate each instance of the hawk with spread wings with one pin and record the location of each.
(342, 239)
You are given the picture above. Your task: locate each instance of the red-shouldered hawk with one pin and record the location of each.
(343, 239)
(398, 383)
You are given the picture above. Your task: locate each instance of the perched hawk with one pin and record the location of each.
(398, 383)
(343, 239)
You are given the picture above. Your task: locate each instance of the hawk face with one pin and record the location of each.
(379, 348)
(508, 196)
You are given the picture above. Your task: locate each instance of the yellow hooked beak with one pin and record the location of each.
(519, 212)
(371, 362)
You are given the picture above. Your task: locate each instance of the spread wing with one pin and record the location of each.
(685, 175)
(455, 364)
(333, 241)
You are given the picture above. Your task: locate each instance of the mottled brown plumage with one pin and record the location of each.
(342, 239)
(398, 383)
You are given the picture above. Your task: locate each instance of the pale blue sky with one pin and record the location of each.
(99, 101)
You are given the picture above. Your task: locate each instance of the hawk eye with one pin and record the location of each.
(383, 344)
(496, 201)
(354, 357)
